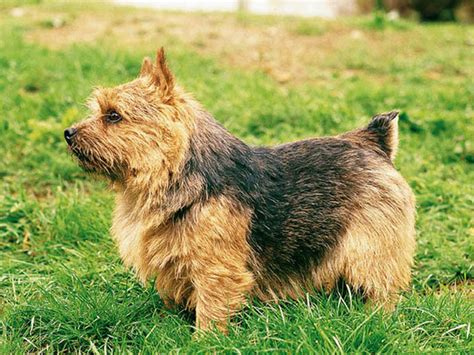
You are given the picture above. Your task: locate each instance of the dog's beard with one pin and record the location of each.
(92, 164)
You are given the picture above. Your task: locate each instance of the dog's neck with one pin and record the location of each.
(213, 160)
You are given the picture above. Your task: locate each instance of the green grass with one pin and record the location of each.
(62, 285)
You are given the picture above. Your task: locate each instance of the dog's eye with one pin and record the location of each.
(113, 117)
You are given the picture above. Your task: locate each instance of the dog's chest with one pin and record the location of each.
(127, 234)
(167, 252)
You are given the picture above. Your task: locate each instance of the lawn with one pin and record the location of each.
(268, 80)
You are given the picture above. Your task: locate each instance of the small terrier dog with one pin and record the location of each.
(217, 222)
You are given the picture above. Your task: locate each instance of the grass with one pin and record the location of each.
(62, 285)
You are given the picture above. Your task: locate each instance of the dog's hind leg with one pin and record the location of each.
(378, 251)
(379, 265)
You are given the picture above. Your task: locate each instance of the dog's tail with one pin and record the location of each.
(381, 133)
(384, 131)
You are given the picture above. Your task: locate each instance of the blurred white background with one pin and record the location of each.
(321, 8)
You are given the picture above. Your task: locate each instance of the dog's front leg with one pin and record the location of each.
(220, 292)
(219, 256)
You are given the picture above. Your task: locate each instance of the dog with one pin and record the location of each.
(216, 222)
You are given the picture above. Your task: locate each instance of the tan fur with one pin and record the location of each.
(204, 262)
(378, 253)
(201, 264)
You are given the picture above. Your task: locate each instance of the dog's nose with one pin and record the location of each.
(69, 133)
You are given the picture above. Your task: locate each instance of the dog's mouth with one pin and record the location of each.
(82, 158)
(91, 165)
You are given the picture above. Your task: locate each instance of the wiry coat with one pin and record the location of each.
(216, 221)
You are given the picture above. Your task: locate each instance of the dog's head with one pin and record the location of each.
(135, 129)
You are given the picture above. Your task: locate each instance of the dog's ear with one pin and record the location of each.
(164, 79)
(147, 67)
